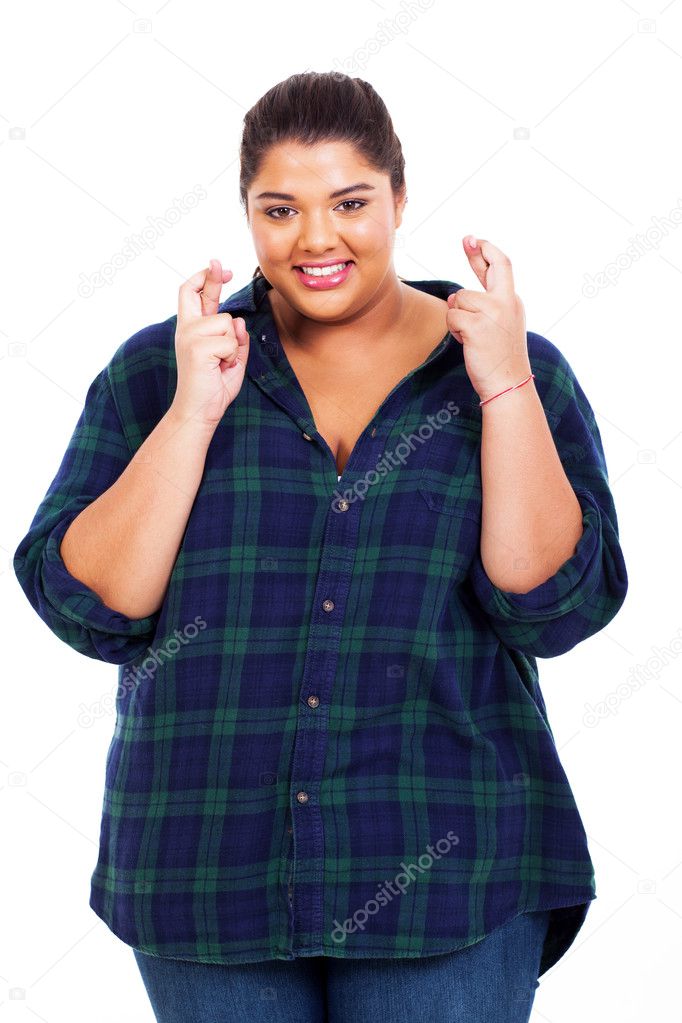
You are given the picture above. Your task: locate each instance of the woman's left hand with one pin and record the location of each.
(490, 325)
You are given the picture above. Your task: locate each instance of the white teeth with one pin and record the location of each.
(322, 271)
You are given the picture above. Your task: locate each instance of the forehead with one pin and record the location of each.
(319, 168)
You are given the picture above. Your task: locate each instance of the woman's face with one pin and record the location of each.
(304, 223)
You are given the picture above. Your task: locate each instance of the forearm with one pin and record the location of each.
(124, 545)
(531, 518)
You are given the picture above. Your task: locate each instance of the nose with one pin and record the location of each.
(318, 233)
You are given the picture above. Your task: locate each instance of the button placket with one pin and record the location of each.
(337, 554)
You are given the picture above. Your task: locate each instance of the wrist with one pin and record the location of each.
(520, 381)
(179, 419)
(520, 402)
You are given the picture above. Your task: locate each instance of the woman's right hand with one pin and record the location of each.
(211, 349)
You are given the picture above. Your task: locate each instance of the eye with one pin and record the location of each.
(275, 209)
(358, 203)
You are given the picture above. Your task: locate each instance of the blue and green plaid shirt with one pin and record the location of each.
(331, 739)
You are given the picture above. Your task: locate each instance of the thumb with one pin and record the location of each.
(242, 336)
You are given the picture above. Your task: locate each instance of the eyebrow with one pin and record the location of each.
(360, 186)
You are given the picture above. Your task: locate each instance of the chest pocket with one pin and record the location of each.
(450, 480)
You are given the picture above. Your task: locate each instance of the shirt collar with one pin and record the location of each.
(245, 300)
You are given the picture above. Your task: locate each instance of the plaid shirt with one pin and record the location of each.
(331, 739)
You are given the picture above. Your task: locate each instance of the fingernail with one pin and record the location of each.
(471, 242)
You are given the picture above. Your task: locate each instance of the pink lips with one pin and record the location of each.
(319, 283)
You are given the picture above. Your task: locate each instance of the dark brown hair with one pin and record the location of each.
(321, 106)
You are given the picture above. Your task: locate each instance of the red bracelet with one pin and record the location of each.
(531, 377)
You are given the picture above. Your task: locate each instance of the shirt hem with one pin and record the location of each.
(565, 922)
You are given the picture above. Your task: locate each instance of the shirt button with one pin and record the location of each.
(307, 436)
(290, 829)
(302, 797)
(328, 605)
(342, 504)
(313, 701)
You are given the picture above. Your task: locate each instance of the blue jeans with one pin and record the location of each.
(492, 981)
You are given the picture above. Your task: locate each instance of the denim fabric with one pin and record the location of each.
(492, 981)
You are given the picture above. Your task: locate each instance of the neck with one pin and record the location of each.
(387, 311)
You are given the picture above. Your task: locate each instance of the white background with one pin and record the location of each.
(552, 130)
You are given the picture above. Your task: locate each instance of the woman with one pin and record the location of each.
(325, 528)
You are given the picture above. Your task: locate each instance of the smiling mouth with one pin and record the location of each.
(326, 281)
(323, 271)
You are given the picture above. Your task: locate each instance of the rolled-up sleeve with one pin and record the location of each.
(588, 589)
(96, 455)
